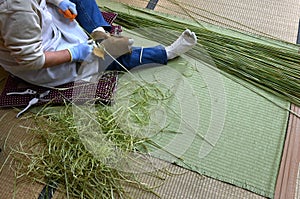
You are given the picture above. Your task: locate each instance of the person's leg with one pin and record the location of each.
(156, 55)
(140, 56)
(89, 15)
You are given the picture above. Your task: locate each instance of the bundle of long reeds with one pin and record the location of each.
(270, 64)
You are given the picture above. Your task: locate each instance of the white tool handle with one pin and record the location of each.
(28, 91)
(31, 102)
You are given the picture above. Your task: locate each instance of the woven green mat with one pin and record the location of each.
(229, 133)
(217, 125)
(234, 135)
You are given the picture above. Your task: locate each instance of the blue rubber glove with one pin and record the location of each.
(67, 5)
(80, 52)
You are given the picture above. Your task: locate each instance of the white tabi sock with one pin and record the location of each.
(183, 44)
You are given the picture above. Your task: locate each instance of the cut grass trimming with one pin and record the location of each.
(94, 151)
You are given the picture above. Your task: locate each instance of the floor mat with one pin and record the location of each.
(236, 136)
(101, 89)
(239, 142)
(221, 127)
(288, 178)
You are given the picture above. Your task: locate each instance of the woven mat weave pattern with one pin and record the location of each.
(274, 18)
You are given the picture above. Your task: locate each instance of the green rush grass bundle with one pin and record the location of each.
(270, 64)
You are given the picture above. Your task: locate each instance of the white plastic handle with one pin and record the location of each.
(31, 102)
(28, 91)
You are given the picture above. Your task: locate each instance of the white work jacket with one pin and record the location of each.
(30, 27)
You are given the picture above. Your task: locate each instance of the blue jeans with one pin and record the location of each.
(153, 55)
(89, 15)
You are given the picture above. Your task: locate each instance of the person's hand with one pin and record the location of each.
(68, 9)
(80, 52)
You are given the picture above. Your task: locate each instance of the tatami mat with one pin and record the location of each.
(288, 178)
(276, 18)
(181, 183)
(12, 133)
(279, 19)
